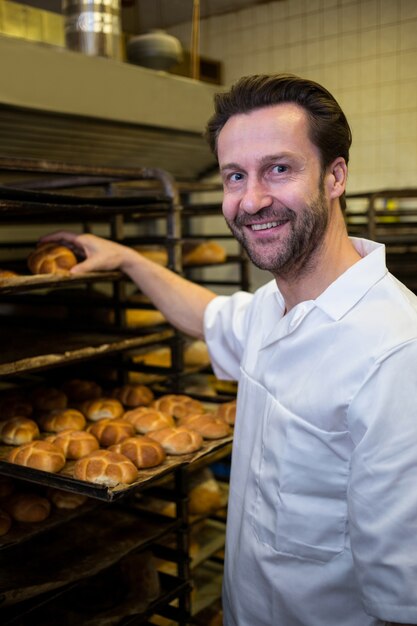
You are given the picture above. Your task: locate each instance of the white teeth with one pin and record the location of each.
(265, 226)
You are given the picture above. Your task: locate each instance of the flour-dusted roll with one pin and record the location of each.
(78, 390)
(178, 405)
(227, 412)
(177, 439)
(105, 467)
(75, 443)
(145, 419)
(65, 499)
(62, 419)
(51, 258)
(46, 399)
(18, 430)
(28, 507)
(110, 432)
(5, 522)
(133, 395)
(141, 450)
(102, 408)
(41, 455)
(208, 426)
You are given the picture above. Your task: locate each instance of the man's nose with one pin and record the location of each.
(255, 197)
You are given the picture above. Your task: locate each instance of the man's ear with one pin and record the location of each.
(336, 178)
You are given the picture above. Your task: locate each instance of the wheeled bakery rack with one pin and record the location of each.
(67, 336)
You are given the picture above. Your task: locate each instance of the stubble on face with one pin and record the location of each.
(293, 255)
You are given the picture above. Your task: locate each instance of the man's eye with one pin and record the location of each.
(234, 178)
(279, 169)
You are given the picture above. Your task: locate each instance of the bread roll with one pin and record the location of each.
(208, 426)
(41, 455)
(62, 419)
(65, 499)
(28, 507)
(196, 354)
(178, 405)
(141, 450)
(144, 419)
(177, 439)
(138, 318)
(133, 395)
(110, 432)
(18, 430)
(81, 390)
(15, 405)
(75, 443)
(5, 522)
(48, 399)
(205, 252)
(102, 408)
(105, 467)
(227, 412)
(6, 274)
(204, 494)
(51, 258)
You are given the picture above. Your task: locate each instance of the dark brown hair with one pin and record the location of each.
(329, 129)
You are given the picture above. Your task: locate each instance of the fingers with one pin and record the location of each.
(60, 236)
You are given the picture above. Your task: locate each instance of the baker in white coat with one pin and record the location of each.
(322, 516)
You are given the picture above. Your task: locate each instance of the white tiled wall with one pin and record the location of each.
(364, 51)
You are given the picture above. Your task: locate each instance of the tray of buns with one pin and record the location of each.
(64, 478)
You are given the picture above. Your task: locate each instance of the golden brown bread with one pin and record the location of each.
(6, 274)
(28, 507)
(62, 419)
(105, 467)
(51, 258)
(156, 254)
(41, 455)
(178, 405)
(205, 252)
(18, 430)
(177, 439)
(144, 419)
(143, 317)
(110, 432)
(204, 494)
(5, 522)
(208, 426)
(48, 399)
(75, 443)
(141, 450)
(65, 499)
(227, 412)
(78, 390)
(102, 408)
(133, 395)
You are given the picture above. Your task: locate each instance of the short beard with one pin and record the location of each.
(296, 254)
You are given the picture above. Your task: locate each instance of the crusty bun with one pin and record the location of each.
(196, 353)
(177, 439)
(18, 430)
(202, 253)
(204, 494)
(138, 318)
(15, 405)
(48, 399)
(81, 390)
(6, 274)
(102, 408)
(62, 419)
(51, 258)
(133, 395)
(105, 467)
(75, 443)
(144, 419)
(28, 507)
(5, 522)
(178, 405)
(209, 427)
(41, 455)
(141, 450)
(227, 412)
(110, 432)
(65, 499)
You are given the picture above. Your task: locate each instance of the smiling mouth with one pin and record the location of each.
(267, 225)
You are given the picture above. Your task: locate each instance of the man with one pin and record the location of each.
(322, 516)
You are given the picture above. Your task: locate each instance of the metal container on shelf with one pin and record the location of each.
(93, 27)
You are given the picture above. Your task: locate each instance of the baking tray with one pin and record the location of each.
(64, 479)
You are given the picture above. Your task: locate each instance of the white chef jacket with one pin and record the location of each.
(322, 515)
